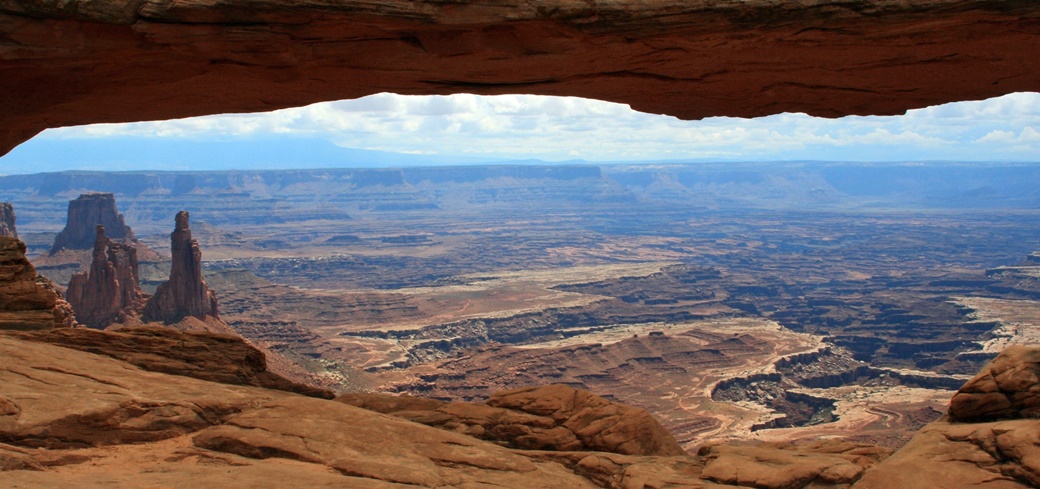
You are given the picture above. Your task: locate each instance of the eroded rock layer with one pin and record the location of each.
(27, 301)
(110, 290)
(186, 293)
(150, 59)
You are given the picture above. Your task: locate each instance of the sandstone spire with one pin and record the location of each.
(7, 220)
(110, 290)
(86, 212)
(185, 293)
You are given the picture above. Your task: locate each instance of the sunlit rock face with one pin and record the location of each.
(185, 293)
(107, 61)
(27, 300)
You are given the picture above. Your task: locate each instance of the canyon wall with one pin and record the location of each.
(151, 59)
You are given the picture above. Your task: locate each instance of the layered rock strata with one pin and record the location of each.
(7, 227)
(85, 213)
(989, 439)
(185, 293)
(110, 291)
(27, 300)
(555, 417)
(161, 60)
(227, 359)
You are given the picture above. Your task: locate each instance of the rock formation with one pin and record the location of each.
(185, 293)
(160, 60)
(85, 213)
(27, 300)
(1007, 388)
(553, 417)
(227, 359)
(990, 438)
(110, 290)
(7, 220)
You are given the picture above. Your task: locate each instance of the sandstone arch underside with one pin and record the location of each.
(84, 61)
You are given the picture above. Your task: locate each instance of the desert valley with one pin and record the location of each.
(647, 324)
(765, 303)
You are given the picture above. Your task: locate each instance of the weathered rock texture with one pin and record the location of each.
(111, 60)
(27, 301)
(1007, 388)
(110, 291)
(227, 359)
(555, 417)
(989, 439)
(7, 227)
(86, 212)
(185, 293)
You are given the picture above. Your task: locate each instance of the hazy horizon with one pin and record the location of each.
(388, 130)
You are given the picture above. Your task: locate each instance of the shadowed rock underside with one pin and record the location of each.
(141, 60)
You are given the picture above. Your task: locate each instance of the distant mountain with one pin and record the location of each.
(132, 153)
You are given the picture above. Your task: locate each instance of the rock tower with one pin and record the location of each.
(110, 290)
(185, 293)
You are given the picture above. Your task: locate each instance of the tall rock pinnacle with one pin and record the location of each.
(185, 293)
(7, 220)
(86, 212)
(110, 290)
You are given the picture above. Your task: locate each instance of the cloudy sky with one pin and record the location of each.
(554, 129)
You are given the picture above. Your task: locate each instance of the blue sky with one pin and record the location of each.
(477, 128)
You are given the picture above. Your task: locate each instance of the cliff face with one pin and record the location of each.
(7, 220)
(159, 60)
(27, 301)
(185, 293)
(85, 213)
(110, 290)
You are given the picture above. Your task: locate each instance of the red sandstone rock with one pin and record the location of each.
(227, 359)
(7, 227)
(110, 290)
(116, 61)
(1007, 388)
(27, 301)
(554, 417)
(185, 293)
(86, 213)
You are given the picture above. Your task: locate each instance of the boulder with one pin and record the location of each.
(1007, 388)
(185, 293)
(989, 439)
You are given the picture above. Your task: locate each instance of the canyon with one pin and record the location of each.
(763, 315)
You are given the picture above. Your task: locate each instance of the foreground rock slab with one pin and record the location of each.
(131, 61)
(554, 417)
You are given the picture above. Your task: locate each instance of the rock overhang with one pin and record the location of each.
(112, 61)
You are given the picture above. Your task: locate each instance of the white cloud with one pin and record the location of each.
(525, 126)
